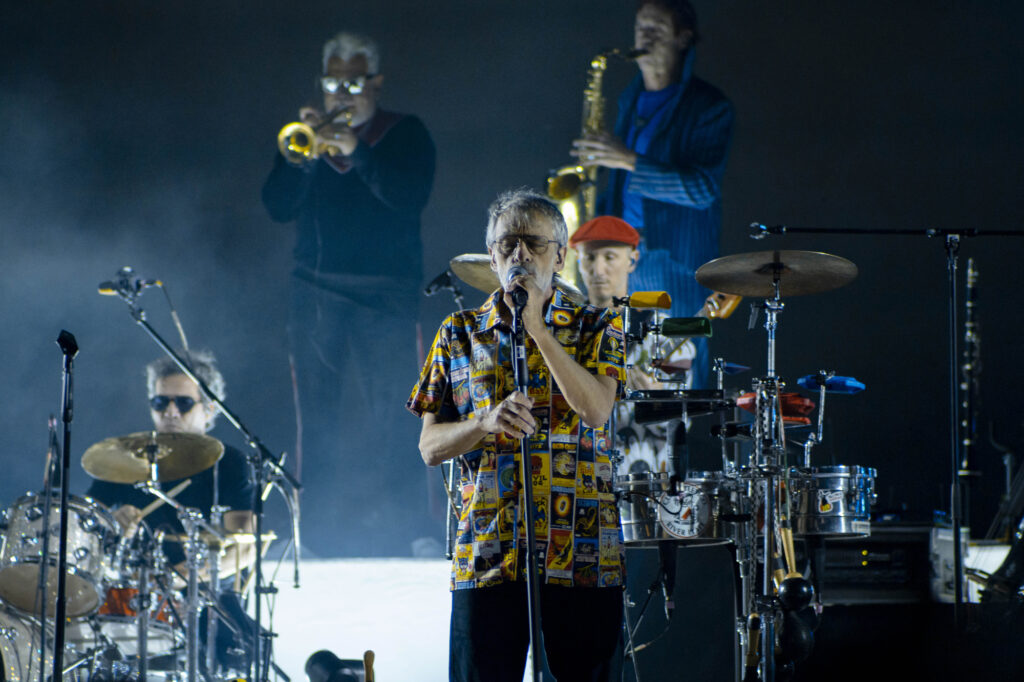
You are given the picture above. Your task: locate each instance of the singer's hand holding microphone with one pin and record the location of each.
(512, 417)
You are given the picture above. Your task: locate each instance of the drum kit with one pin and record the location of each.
(129, 614)
(764, 496)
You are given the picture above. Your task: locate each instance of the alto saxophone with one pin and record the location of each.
(574, 187)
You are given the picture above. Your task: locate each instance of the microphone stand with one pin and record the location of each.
(521, 374)
(44, 565)
(69, 347)
(261, 461)
(952, 246)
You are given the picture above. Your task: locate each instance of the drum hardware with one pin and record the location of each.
(767, 480)
(268, 471)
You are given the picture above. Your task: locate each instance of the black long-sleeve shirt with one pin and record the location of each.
(359, 215)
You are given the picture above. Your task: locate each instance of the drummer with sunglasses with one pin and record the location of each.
(177, 406)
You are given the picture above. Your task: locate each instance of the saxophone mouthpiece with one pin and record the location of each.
(635, 52)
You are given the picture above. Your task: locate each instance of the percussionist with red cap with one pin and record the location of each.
(607, 253)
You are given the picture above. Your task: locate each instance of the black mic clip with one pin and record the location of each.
(442, 281)
(126, 285)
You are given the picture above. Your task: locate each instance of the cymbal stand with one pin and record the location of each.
(142, 608)
(767, 459)
(260, 461)
(195, 553)
(216, 518)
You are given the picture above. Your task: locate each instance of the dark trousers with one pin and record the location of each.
(365, 487)
(490, 633)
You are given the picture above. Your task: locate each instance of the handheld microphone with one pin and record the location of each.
(519, 294)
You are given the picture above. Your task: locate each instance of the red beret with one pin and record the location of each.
(605, 228)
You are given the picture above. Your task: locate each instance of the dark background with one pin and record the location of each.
(140, 134)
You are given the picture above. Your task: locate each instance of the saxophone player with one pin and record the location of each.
(666, 160)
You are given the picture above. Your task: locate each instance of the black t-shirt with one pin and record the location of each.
(234, 491)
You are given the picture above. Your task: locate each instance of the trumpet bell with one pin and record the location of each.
(297, 142)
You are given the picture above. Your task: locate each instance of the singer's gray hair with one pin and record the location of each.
(346, 45)
(202, 363)
(519, 206)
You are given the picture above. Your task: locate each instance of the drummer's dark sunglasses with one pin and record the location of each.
(182, 402)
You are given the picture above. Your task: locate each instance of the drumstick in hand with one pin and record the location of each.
(155, 504)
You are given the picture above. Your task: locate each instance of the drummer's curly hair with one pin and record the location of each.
(202, 363)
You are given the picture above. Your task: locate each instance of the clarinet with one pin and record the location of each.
(970, 370)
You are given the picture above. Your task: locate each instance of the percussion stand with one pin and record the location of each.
(951, 239)
(521, 373)
(260, 461)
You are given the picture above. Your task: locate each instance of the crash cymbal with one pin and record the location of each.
(798, 272)
(124, 459)
(475, 270)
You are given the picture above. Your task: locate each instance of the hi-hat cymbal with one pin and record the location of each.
(124, 459)
(230, 538)
(475, 270)
(798, 273)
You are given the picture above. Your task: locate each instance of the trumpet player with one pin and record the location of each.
(666, 160)
(355, 193)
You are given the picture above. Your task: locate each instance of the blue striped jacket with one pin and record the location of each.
(679, 179)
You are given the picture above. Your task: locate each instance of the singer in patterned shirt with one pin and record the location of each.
(467, 398)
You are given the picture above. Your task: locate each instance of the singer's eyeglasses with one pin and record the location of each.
(183, 402)
(535, 243)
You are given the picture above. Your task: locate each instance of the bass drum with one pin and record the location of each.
(91, 538)
(20, 649)
(832, 501)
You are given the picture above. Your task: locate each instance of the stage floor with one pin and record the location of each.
(399, 608)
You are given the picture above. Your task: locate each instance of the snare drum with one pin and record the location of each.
(652, 513)
(91, 538)
(834, 500)
(117, 619)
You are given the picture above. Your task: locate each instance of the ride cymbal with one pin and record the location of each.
(475, 270)
(125, 459)
(798, 273)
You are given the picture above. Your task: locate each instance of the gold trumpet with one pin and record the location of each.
(297, 140)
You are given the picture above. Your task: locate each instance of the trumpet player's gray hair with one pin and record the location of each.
(518, 206)
(346, 45)
(203, 365)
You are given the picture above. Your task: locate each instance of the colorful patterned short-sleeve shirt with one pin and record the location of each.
(577, 527)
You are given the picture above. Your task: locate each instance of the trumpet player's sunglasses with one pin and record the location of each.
(537, 245)
(182, 402)
(356, 86)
